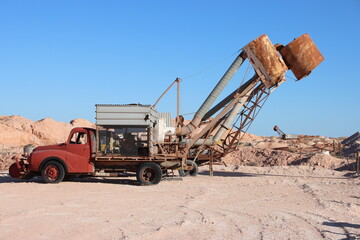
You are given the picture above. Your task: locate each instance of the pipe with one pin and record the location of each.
(177, 80)
(232, 109)
(228, 98)
(224, 125)
(220, 105)
(178, 98)
(199, 142)
(220, 115)
(234, 112)
(213, 96)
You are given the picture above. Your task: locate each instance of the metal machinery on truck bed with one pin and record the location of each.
(127, 133)
(140, 128)
(137, 138)
(236, 112)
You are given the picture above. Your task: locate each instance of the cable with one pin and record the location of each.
(210, 67)
(245, 75)
(188, 113)
(291, 78)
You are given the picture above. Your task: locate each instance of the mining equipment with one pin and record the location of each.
(284, 135)
(137, 138)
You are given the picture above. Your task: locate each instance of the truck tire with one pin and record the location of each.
(193, 172)
(149, 173)
(53, 172)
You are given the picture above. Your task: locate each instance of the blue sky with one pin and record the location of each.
(60, 58)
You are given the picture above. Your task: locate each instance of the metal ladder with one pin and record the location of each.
(244, 120)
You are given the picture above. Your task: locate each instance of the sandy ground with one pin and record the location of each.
(298, 202)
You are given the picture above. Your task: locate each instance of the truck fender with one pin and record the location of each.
(53, 159)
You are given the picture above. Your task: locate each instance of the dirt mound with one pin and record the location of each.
(261, 157)
(6, 155)
(78, 122)
(251, 156)
(17, 131)
(325, 161)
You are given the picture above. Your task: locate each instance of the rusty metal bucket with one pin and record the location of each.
(266, 61)
(301, 56)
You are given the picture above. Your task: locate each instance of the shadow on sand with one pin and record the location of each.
(126, 180)
(229, 174)
(129, 178)
(345, 229)
(243, 174)
(5, 178)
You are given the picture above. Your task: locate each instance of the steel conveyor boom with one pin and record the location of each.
(224, 124)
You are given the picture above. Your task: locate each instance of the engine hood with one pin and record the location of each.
(50, 147)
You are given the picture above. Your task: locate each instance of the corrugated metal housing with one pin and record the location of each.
(126, 115)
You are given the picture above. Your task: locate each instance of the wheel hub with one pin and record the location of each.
(52, 172)
(149, 174)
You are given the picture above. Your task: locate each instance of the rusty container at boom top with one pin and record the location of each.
(266, 61)
(301, 56)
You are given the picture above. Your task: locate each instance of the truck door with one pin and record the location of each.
(79, 151)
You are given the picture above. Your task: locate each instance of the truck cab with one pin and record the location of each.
(73, 157)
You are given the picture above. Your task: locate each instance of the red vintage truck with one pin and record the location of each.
(53, 162)
(77, 157)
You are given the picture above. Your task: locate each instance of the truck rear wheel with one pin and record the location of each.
(53, 172)
(193, 172)
(149, 174)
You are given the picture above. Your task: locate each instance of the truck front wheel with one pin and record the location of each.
(149, 174)
(53, 172)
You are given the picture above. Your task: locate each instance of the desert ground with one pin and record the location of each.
(242, 202)
(270, 188)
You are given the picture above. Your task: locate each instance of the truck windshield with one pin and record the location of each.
(78, 138)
